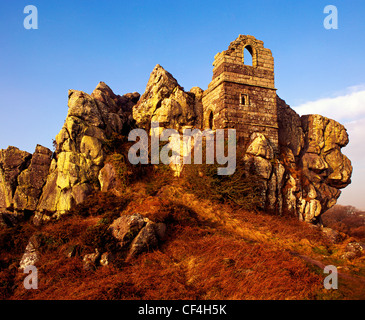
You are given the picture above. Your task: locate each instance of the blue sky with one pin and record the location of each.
(79, 43)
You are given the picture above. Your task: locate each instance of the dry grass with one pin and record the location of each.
(194, 264)
(212, 251)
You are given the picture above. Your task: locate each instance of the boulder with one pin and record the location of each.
(144, 241)
(108, 178)
(125, 228)
(136, 234)
(91, 260)
(260, 146)
(258, 166)
(31, 254)
(333, 235)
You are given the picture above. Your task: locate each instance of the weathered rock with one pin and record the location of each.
(108, 178)
(144, 241)
(106, 258)
(31, 254)
(126, 228)
(91, 260)
(160, 86)
(325, 138)
(12, 162)
(258, 166)
(165, 101)
(260, 146)
(137, 234)
(32, 179)
(332, 234)
(80, 153)
(311, 154)
(50, 194)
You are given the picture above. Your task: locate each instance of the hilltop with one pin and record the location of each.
(99, 223)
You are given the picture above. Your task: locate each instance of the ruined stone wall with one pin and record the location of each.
(242, 96)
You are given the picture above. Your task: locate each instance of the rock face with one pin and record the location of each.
(296, 160)
(51, 183)
(22, 177)
(260, 161)
(32, 179)
(80, 154)
(166, 101)
(315, 167)
(12, 162)
(108, 178)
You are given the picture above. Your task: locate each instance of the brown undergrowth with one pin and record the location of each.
(213, 250)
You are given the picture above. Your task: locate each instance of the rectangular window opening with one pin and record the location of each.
(244, 99)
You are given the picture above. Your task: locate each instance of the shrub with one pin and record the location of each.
(346, 219)
(119, 163)
(101, 204)
(114, 143)
(97, 236)
(240, 188)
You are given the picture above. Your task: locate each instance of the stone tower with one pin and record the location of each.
(243, 96)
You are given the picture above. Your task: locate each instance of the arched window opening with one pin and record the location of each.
(210, 123)
(247, 56)
(244, 99)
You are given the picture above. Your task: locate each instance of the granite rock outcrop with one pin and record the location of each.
(296, 159)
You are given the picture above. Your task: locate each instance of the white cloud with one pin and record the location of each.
(347, 108)
(343, 108)
(356, 132)
(354, 193)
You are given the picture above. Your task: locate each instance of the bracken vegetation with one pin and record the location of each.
(216, 247)
(346, 219)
